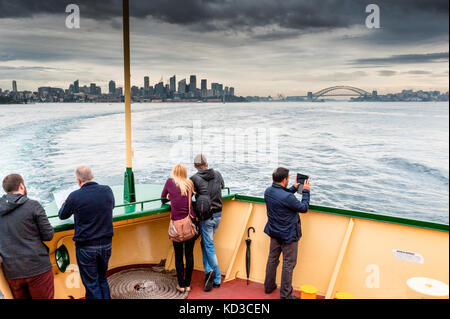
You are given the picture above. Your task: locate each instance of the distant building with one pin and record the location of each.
(112, 87)
(182, 86)
(232, 91)
(204, 88)
(204, 85)
(160, 90)
(14, 86)
(49, 91)
(215, 89)
(193, 84)
(134, 90)
(84, 89)
(173, 84)
(92, 88)
(76, 86)
(146, 83)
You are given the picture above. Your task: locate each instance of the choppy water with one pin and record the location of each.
(388, 158)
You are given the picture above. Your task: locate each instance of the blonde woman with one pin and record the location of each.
(179, 190)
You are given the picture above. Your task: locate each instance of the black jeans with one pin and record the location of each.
(93, 264)
(289, 262)
(184, 277)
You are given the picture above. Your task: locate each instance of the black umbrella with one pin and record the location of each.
(248, 241)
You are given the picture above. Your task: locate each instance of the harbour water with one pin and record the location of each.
(387, 158)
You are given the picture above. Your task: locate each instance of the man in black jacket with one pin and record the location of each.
(92, 206)
(23, 228)
(208, 182)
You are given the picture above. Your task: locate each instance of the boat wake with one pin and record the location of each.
(417, 168)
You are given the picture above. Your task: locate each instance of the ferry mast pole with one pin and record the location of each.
(129, 187)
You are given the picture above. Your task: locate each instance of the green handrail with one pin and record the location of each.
(129, 204)
(140, 203)
(143, 202)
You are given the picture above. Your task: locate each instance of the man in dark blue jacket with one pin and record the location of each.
(92, 206)
(284, 229)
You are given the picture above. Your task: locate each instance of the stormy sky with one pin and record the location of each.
(260, 47)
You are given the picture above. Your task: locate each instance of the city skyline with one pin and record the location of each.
(260, 47)
(189, 92)
(112, 85)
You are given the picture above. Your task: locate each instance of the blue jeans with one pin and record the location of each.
(93, 264)
(208, 229)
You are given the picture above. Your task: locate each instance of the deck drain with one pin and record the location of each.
(143, 283)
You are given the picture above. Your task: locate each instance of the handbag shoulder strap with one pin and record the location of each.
(190, 202)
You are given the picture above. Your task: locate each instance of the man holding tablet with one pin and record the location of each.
(284, 228)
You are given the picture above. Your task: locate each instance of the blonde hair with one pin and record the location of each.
(179, 176)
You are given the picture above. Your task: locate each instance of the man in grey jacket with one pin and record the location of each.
(23, 228)
(209, 183)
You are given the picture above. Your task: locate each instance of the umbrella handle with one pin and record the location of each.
(248, 231)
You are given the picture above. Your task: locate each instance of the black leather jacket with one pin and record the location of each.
(201, 180)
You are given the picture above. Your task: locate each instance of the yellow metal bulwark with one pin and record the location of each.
(364, 266)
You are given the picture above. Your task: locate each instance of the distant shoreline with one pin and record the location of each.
(246, 102)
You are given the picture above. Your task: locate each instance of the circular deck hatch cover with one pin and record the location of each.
(143, 283)
(428, 286)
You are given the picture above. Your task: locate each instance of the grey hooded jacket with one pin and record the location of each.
(23, 228)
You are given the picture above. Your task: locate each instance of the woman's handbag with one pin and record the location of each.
(183, 229)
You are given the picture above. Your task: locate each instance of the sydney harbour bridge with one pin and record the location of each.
(342, 90)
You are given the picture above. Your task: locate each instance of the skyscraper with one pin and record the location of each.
(173, 84)
(182, 86)
(160, 90)
(146, 83)
(215, 88)
(14, 86)
(232, 91)
(134, 91)
(112, 87)
(204, 87)
(193, 84)
(76, 86)
(93, 88)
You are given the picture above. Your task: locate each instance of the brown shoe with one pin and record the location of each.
(182, 290)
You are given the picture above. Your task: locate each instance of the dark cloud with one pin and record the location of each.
(401, 20)
(404, 59)
(387, 73)
(419, 72)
